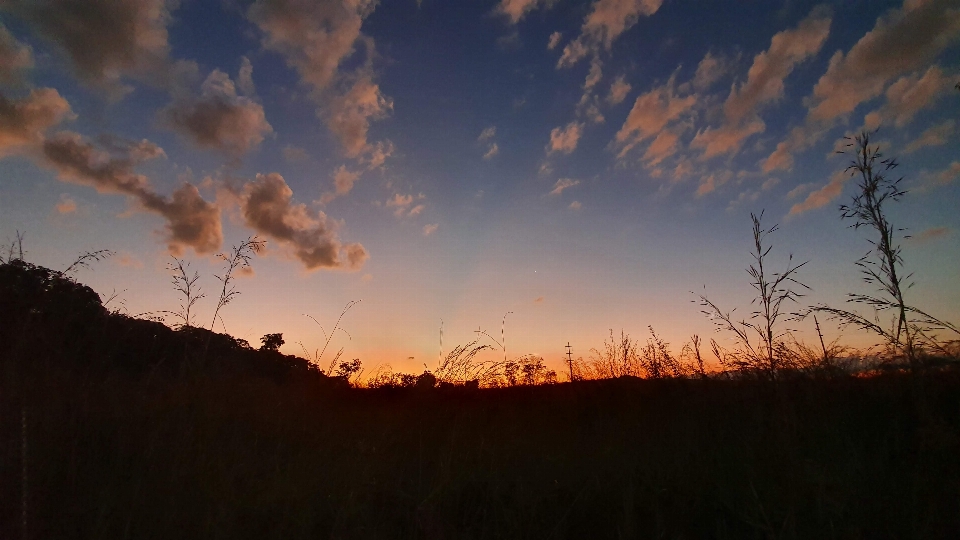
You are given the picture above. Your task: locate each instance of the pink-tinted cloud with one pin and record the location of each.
(618, 91)
(348, 115)
(24, 121)
(937, 135)
(902, 41)
(66, 205)
(343, 180)
(554, 40)
(928, 235)
(514, 10)
(430, 229)
(492, 151)
(907, 96)
(191, 221)
(564, 140)
(294, 154)
(575, 205)
(218, 118)
(315, 38)
(764, 84)
(604, 24)
(662, 147)
(823, 196)
(938, 179)
(562, 184)
(15, 58)
(105, 40)
(267, 207)
(651, 113)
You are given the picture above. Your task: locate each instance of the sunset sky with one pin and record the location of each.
(581, 165)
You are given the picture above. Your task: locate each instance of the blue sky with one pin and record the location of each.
(583, 166)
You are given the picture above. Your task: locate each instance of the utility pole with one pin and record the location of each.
(570, 360)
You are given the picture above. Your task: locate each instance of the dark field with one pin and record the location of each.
(116, 427)
(245, 457)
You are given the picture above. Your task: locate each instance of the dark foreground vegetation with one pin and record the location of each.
(115, 427)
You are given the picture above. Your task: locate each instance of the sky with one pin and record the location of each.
(545, 171)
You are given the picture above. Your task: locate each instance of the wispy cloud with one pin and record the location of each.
(928, 235)
(764, 84)
(618, 91)
(822, 196)
(603, 25)
(933, 136)
(562, 184)
(66, 205)
(15, 58)
(430, 229)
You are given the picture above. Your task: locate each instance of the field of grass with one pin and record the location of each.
(114, 427)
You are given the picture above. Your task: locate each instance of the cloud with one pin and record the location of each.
(15, 57)
(710, 183)
(651, 113)
(430, 229)
(799, 190)
(128, 260)
(515, 10)
(401, 203)
(900, 42)
(487, 133)
(565, 140)
(764, 84)
(934, 136)
(348, 115)
(218, 118)
(399, 200)
(494, 150)
(377, 154)
(562, 184)
(907, 96)
(594, 75)
(294, 154)
(604, 24)
(554, 40)
(929, 181)
(24, 121)
(267, 207)
(575, 205)
(664, 146)
(191, 221)
(823, 196)
(928, 235)
(710, 69)
(343, 180)
(245, 77)
(105, 40)
(316, 38)
(66, 205)
(618, 91)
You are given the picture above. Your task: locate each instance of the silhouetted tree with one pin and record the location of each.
(271, 342)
